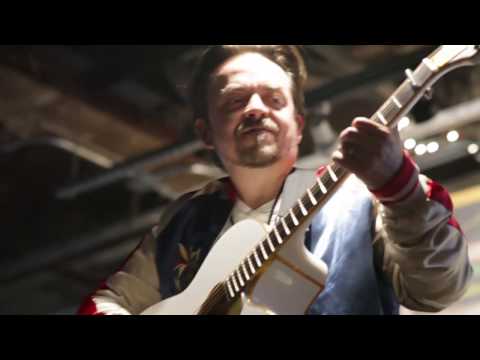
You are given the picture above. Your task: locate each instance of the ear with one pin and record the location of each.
(202, 128)
(300, 126)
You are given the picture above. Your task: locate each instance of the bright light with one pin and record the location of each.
(433, 147)
(420, 149)
(410, 144)
(473, 149)
(453, 136)
(403, 123)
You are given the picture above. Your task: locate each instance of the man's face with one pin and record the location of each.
(252, 118)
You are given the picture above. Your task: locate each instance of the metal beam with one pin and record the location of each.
(63, 144)
(371, 75)
(132, 168)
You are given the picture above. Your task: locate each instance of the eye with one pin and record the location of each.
(278, 100)
(235, 102)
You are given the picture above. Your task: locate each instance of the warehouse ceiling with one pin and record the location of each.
(96, 139)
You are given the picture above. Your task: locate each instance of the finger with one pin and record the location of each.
(353, 156)
(355, 136)
(370, 127)
(347, 161)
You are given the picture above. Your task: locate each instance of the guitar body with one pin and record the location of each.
(288, 284)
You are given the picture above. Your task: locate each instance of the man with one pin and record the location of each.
(388, 236)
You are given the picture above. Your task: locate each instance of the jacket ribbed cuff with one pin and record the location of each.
(402, 185)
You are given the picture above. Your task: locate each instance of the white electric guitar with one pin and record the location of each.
(252, 271)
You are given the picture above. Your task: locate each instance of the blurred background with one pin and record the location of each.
(96, 139)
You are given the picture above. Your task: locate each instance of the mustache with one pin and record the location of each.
(257, 124)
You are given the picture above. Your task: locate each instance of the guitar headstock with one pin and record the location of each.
(447, 57)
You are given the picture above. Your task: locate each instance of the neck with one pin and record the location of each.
(257, 187)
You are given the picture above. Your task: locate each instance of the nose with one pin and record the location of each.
(255, 108)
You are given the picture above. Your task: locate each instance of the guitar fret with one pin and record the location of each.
(332, 174)
(240, 279)
(250, 264)
(382, 118)
(294, 218)
(245, 272)
(289, 222)
(279, 231)
(257, 258)
(264, 253)
(323, 189)
(235, 285)
(285, 227)
(277, 235)
(230, 290)
(302, 208)
(306, 202)
(270, 244)
(396, 102)
(312, 198)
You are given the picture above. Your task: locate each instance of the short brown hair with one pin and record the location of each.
(288, 57)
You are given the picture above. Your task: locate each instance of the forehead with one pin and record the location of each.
(250, 70)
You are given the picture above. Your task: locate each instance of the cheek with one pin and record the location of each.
(225, 123)
(292, 130)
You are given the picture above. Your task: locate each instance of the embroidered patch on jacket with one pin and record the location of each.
(187, 267)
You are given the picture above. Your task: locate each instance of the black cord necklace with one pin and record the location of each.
(270, 217)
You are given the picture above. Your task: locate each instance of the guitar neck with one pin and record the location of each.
(418, 82)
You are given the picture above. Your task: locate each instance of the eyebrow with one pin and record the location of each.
(233, 88)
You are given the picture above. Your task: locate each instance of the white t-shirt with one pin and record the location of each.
(242, 211)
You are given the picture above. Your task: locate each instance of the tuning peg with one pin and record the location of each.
(428, 94)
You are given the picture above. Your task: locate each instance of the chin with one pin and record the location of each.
(260, 159)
